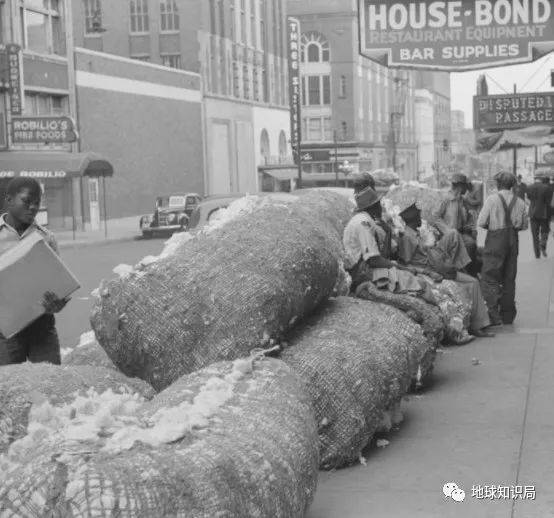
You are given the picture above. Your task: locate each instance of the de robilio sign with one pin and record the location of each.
(455, 35)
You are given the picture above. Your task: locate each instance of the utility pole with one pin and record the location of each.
(397, 110)
(336, 158)
(515, 146)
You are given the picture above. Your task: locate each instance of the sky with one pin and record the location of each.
(531, 77)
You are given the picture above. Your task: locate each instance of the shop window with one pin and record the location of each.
(41, 27)
(171, 60)
(42, 104)
(169, 16)
(282, 145)
(140, 22)
(265, 149)
(93, 16)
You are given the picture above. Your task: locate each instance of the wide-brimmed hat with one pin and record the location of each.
(362, 181)
(460, 178)
(367, 198)
(410, 212)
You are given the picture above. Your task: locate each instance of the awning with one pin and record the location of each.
(282, 174)
(45, 165)
(508, 139)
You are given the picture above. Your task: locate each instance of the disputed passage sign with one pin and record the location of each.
(455, 35)
(513, 111)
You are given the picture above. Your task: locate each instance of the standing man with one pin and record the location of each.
(539, 213)
(503, 216)
(454, 214)
(520, 189)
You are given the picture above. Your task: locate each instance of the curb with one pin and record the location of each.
(83, 243)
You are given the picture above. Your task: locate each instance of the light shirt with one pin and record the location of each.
(492, 213)
(453, 212)
(360, 239)
(10, 237)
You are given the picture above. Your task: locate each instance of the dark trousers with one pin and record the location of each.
(539, 231)
(498, 274)
(37, 343)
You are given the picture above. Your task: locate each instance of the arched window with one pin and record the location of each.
(282, 145)
(265, 149)
(315, 48)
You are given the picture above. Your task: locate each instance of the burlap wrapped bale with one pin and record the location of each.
(357, 359)
(222, 293)
(88, 352)
(22, 385)
(423, 313)
(427, 199)
(233, 442)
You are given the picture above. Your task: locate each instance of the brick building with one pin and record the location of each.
(239, 49)
(124, 112)
(348, 99)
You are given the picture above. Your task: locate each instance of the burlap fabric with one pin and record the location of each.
(255, 455)
(357, 359)
(22, 385)
(425, 314)
(90, 353)
(426, 199)
(223, 293)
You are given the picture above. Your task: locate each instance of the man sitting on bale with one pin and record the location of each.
(447, 257)
(453, 214)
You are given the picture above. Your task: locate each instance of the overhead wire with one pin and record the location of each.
(545, 62)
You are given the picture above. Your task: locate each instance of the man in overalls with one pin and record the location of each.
(503, 215)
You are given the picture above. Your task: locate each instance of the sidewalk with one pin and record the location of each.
(120, 229)
(487, 424)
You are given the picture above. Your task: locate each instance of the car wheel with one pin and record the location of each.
(147, 234)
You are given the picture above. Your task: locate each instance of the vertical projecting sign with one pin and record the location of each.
(294, 86)
(14, 78)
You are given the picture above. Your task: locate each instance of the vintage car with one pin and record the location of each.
(171, 214)
(208, 207)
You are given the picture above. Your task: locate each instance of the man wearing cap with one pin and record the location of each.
(539, 214)
(503, 215)
(446, 257)
(453, 213)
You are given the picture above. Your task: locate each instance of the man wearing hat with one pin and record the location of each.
(539, 213)
(447, 257)
(362, 181)
(453, 213)
(503, 215)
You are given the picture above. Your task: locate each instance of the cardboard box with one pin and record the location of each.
(27, 271)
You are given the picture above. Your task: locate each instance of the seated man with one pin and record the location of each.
(447, 257)
(453, 214)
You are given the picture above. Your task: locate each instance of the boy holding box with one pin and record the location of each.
(38, 342)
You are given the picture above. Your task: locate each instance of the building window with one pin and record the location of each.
(213, 21)
(41, 27)
(253, 35)
(243, 30)
(93, 16)
(169, 16)
(314, 48)
(342, 87)
(139, 16)
(233, 23)
(221, 16)
(171, 60)
(317, 129)
(43, 104)
(317, 90)
(344, 130)
(265, 149)
(263, 15)
(282, 146)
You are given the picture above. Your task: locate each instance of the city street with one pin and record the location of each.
(91, 264)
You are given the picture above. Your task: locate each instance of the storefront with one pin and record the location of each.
(66, 179)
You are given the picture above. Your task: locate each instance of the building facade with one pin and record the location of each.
(239, 49)
(352, 108)
(425, 131)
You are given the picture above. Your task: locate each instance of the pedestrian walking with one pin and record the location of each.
(38, 342)
(539, 195)
(503, 215)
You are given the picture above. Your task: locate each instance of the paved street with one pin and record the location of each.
(91, 264)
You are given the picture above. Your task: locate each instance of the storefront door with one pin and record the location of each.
(94, 205)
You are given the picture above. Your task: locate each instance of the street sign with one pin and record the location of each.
(15, 82)
(455, 35)
(513, 111)
(315, 155)
(36, 130)
(294, 85)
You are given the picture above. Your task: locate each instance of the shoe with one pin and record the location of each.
(481, 333)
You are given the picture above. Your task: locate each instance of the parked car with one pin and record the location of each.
(208, 208)
(171, 214)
